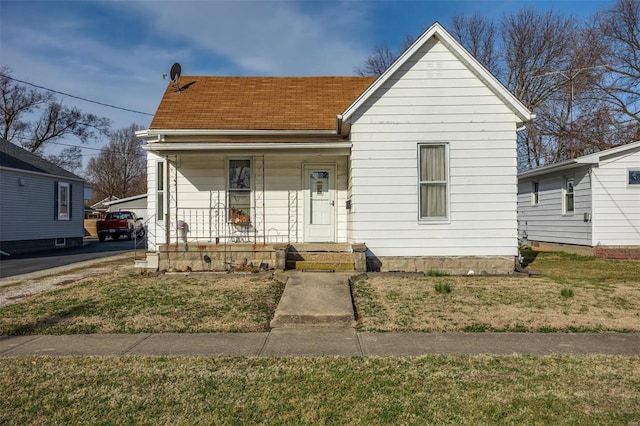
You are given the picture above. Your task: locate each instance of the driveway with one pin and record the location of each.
(92, 249)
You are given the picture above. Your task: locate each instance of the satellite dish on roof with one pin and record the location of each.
(176, 69)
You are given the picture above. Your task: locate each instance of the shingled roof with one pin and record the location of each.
(12, 156)
(257, 103)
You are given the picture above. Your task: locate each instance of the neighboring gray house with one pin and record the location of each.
(41, 204)
(589, 205)
(136, 204)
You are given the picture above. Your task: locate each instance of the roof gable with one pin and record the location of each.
(437, 31)
(257, 103)
(15, 157)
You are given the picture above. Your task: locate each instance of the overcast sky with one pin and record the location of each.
(115, 52)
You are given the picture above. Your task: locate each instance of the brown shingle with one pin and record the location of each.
(257, 103)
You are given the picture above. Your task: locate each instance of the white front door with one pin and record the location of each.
(319, 203)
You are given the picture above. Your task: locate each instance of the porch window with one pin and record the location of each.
(239, 191)
(535, 193)
(568, 191)
(160, 190)
(433, 181)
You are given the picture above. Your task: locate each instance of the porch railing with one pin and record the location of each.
(220, 225)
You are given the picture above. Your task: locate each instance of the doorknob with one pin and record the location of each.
(333, 203)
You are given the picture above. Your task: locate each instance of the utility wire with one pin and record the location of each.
(76, 97)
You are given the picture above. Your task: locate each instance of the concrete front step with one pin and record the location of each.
(319, 256)
(303, 265)
(315, 299)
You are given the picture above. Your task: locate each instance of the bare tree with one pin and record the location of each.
(479, 36)
(381, 58)
(620, 28)
(54, 122)
(16, 101)
(120, 169)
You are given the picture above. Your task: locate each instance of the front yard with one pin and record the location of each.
(127, 302)
(585, 390)
(573, 293)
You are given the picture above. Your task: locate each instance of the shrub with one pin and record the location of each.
(566, 293)
(436, 273)
(442, 288)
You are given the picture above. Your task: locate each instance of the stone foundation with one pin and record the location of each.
(212, 257)
(453, 265)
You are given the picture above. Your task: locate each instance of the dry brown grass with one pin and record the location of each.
(585, 390)
(606, 297)
(133, 303)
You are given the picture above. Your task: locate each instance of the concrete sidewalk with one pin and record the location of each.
(314, 341)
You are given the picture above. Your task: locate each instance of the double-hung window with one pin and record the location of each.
(239, 191)
(62, 204)
(568, 191)
(535, 193)
(434, 181)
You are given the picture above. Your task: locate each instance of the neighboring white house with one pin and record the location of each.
(588, 205)
(41, 204)
(136, 204)
(418, 164)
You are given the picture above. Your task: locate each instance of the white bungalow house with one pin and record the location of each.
(41, 204)
(411, 171)
(589, 205)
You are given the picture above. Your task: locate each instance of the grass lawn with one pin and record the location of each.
(127, 302)
(573, 293)
(586, 390)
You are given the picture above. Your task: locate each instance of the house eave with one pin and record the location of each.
(48, 175)
(279, 148)
(161, 133)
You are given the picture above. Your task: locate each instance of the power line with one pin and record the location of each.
(75, 97)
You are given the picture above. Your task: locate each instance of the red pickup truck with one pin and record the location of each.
(117, 224)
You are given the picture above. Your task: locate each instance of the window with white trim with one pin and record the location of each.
(160, 190)
(62, 201)
(633, 177)
(239, 191)
(433, 181)
(568, 196)
(535, 193)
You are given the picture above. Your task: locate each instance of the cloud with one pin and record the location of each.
(266, 38)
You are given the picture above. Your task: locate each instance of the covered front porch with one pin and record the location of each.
(246, 205)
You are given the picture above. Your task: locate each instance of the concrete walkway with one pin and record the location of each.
(318, 341)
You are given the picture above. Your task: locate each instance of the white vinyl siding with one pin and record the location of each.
(616, 213)
(433, 98)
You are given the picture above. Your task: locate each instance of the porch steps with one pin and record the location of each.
(320, 257)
